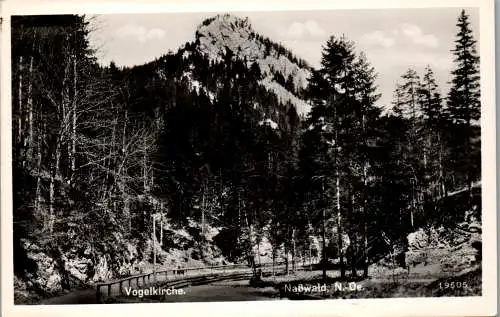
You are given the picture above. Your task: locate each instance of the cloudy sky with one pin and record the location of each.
(393, 39)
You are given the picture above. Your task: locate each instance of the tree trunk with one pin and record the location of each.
(286, 258)
(365, 221)
(353, 245)
(258, 251)
(393, 266)
(161, 224)
(28, 143)
(111, 161)
(125, 198)
(274, 260)
(65, 109)
(442, 176)
(126, 210)
(323, 234)
(310, 257)
(73, 115)
(252, 254)
(203, 213)
(353, 252)
(249, 229)
(412, 209)
(468, 164)
(53, 177)
(339, 226)
(154, 248)
(293, 251)
(145, 169)
(38, 195)
(20, 97)
(303, 256)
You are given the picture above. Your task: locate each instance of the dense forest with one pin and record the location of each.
(99, 151)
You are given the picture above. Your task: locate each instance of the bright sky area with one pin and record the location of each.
(393, 39)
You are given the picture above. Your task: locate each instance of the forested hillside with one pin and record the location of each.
(237, 149)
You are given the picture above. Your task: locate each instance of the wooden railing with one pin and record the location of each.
(176, 276)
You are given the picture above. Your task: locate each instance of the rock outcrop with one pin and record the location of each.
(222, 33)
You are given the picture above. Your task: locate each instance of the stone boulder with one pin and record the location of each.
(412, 258)
(459, 259)
(47, 278)
(418, 240)
(77, 267)
(102, 270)
(437, 239)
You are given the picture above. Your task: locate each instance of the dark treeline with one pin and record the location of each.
(97, 150)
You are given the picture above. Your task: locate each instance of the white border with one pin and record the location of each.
(470, 306)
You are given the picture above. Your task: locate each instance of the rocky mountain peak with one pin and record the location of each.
(217, 35)
(226, 21)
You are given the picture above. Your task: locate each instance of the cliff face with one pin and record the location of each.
(218, 35)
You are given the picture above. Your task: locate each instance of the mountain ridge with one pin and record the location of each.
(217, 34)
(283, 74)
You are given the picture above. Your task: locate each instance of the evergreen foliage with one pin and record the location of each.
(98, 150)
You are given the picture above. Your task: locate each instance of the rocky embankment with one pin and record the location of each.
(53, 276)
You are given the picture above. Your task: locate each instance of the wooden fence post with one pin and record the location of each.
(109, 290)
(98, 293)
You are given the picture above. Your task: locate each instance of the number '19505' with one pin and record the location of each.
(453, 285)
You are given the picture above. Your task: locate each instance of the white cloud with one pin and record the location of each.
(416, 35)
(378, 38)
(411, 31)
(395, 32)
(309, 28)
(406, 30)
(141, 33)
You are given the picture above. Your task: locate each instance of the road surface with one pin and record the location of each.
(227, 290)
(84, 296)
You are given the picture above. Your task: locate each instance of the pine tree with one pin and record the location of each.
(463, 102)
(330, 122)
(430, 98)
(434, 126)
(367, 116)
(407, 107)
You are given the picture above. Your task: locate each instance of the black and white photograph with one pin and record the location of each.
(330, 154)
